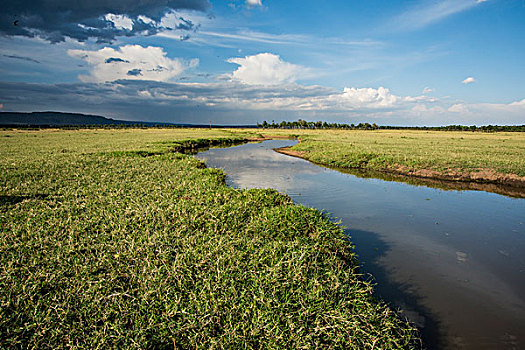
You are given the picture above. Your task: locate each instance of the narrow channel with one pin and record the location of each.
(452, 261)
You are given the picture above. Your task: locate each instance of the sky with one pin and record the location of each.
(406, 62)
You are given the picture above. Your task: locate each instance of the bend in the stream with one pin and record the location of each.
(452, 261)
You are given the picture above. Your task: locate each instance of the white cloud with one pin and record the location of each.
(145, 19)
(469, 80)
(302, 98)
(367, 97)
(422, 109)
(120, 21)
(518, 103)
(458, 108)
(223, 36)
(493, 113)
(176, 20)
(253, 3)
(131, 62)
(429, 12)
(427, 90)
(252, 36)
(419, 108)
(517, 107)
(265, 69)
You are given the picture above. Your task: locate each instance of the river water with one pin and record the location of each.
(452, 261)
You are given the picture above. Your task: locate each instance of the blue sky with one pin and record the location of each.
(418, 62)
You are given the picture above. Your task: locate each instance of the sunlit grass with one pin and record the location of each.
(110, 240)
(441, 151)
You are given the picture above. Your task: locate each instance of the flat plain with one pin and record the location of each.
(109, 239)
(112, 239)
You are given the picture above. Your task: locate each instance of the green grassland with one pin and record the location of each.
(498, 157)
(110, 240)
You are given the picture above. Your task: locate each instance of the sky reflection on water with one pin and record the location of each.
(453, 261)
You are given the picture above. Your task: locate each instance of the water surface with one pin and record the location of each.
(452, 261)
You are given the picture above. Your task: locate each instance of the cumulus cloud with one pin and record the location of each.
(80, 20)
(518, 103)
(265, 69)
(468, 80)
(458, 108)
(120, 21)
(427, 90)
(369, 97)
(253, 3)
(131, 62)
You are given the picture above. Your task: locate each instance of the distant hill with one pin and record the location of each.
(58, 119)
(52, 119)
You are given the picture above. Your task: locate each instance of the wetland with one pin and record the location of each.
(450, 260)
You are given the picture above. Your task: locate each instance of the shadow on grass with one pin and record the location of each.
(370, 248)
(12, 200)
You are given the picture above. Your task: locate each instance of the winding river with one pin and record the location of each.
(452, 261)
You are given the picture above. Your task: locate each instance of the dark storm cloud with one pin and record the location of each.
(54, 20)
(118, 101)
(150, 101)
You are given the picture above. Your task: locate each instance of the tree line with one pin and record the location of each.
(298, 124)
(303, 124)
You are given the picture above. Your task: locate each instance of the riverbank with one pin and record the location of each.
(455, 278)
(513, 190)
(111, 239)
(495, 158)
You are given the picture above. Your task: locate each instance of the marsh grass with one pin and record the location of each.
(440, 151)
(110, 240)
